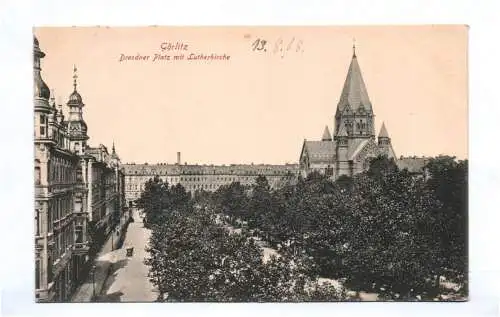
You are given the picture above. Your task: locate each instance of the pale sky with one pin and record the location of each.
(258, 106)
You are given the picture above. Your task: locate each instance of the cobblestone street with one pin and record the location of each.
(128, 281)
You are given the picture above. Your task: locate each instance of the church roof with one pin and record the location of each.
(354, 92)
(383, 132)
(326, 135)
(320, 151)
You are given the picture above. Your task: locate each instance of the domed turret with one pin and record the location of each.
(40, 88)
(76, 126)
(75, 98)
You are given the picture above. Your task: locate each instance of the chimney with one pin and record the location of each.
(178, 158)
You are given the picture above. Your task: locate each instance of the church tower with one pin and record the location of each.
(77, 127)
(384, 142)
(354, 109)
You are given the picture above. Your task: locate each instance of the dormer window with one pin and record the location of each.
(361, 109)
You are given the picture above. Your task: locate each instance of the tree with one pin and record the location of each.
(260, 202)
(449, 181)
(191, 258)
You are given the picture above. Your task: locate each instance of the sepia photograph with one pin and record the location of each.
(251, 164)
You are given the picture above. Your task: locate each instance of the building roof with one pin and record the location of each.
(412, 164)
(383, 132)
(320, 151)
(233, 169)
(354, 92)
(326, 135)
(40, 88)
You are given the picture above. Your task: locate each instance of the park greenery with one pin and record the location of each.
(383, 231)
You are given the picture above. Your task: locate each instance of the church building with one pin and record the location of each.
(353, 143)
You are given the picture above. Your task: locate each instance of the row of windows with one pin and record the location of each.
(202, 186)
(249, 172)
(63, 241)
(131, 187)
(61, 171)
(58, 209)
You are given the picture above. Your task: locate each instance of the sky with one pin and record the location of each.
(260, 104)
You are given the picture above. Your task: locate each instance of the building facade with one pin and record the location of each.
(64, 190)
(204, 177)
(105, 183)
(353, 143)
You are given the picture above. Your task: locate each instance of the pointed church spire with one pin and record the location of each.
(354, 92)
(383, 132)
(326, 135)
(353, 47)
(114, 152)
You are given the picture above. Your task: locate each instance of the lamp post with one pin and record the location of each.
(93, 280)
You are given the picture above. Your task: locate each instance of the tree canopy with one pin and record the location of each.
(382, 230)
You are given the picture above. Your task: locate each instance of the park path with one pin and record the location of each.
(128, 280)
(268, 252)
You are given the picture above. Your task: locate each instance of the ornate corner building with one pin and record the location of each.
(75, 185)
(353, 142)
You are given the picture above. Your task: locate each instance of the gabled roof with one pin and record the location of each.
(355, 146)
(326, 135)
(354, 92)
(342, 131)
(383, 132)
(320, 151)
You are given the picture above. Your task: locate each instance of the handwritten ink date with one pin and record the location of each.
(259, 45)
(281, 46)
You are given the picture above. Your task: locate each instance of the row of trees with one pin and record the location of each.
(383, 229)
(193, 257)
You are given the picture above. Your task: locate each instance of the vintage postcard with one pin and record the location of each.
(250, 164)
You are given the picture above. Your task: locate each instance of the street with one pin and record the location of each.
(128, 280)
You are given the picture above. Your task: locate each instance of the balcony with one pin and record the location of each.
(80, 248)
(63, 222)
(58, 188)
